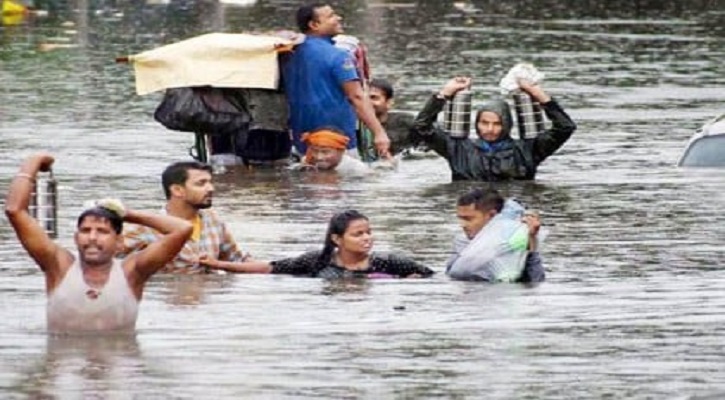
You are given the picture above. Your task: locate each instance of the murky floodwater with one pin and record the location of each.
(633, 306)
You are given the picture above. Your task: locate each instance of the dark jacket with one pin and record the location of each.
(505, 159)
(399, 127)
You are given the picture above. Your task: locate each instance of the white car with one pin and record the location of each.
(706, 148)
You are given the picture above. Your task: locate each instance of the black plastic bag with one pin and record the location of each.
(206, 109)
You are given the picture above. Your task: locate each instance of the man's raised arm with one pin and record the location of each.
(175, 232)
(31, 235)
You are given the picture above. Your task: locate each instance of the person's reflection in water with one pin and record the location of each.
(320, 186)
(346, 286)
(186, 290)
(89, 366)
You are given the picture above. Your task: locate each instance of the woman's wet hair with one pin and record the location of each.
(103, 213)
(482, 199)
(338, 225)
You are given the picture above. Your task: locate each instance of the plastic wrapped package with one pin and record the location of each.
(497, 253)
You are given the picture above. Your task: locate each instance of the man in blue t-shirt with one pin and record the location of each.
(322, 84)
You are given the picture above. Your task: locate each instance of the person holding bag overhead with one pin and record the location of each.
(493, 155)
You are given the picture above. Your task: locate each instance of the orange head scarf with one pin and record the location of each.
(324, 138)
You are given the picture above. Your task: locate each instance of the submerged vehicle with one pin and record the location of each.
(706, 148)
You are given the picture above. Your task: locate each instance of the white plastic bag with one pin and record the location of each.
(510, 84)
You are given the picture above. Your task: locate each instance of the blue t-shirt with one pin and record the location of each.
(313, 78)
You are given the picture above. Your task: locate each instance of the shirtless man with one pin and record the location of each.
(89, 290)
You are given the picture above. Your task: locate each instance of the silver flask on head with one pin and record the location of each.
(529, 115)
(44, 203)
(457, 115)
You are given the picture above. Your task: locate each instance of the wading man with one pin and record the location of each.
(89, 290)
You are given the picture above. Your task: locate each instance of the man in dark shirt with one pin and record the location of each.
(398, 124)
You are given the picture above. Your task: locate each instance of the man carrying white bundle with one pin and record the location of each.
(499, 241)
(89, 290)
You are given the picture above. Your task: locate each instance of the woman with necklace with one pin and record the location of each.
(347, 254)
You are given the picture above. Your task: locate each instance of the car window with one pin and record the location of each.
(708, 151)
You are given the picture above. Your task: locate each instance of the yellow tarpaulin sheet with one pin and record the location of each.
(215, 59)
(13, 7)
(13, 13)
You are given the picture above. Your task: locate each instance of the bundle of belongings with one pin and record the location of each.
(225, 88)
(241, 125)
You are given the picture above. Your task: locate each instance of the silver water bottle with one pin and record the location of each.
(529, 115)
(457, 115)
(44, 203)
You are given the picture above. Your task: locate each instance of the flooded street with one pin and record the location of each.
(633, 305)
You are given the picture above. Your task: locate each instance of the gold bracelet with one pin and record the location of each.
(25, 175)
